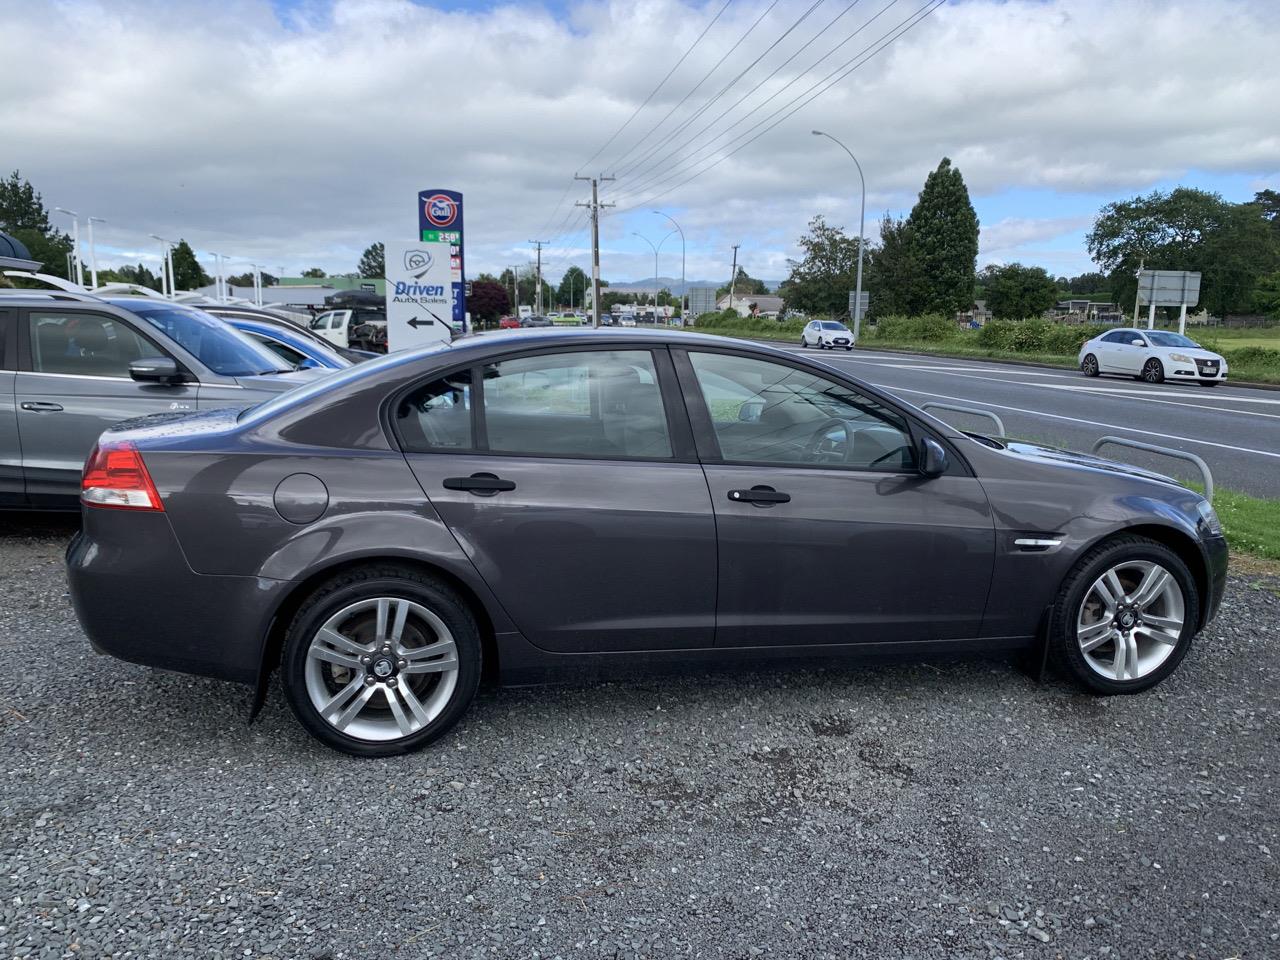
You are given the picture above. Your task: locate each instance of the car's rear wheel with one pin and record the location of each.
(381, 661)
(1089, 365)
(1125, 616)
(1153, 371)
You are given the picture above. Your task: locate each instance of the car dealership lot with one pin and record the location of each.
(1235, 428)
(917, 810)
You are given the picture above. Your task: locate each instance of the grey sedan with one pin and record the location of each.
(385, 536)
(71, 365)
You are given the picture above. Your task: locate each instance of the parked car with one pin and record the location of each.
(358, 329)
(1153, 356)
(297, 348)
(509, 323)
(72, 365)
(826, 335)
(384, 535)
(267, 316)
(534, 320)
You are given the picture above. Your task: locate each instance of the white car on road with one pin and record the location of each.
(1153, 356)
(826, 335)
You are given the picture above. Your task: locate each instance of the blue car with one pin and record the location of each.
(298, 349)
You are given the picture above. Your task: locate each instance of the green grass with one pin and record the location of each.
(1250, 524)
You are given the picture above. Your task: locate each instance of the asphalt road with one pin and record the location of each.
(1235, 429)
(886, 812)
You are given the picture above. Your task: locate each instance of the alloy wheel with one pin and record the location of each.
(1090, 365)
(1130, 620)
(381, 669)
(1152, 372)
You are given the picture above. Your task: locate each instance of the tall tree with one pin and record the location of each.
(246, 279)
(892, 275)
(821, 281)
(187, 272)
(488, 301)
(23, 216)
(373, 262)
(1015, 292)
(944, 239)
(745, 286)
(314, 273)
(573, 287)
(1230, 245)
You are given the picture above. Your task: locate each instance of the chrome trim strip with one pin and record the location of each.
(1031, 542)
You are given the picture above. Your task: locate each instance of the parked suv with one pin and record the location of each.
(72, 365)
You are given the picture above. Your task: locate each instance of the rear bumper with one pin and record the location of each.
(138, 600)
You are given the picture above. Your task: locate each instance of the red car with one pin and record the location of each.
(509, 323)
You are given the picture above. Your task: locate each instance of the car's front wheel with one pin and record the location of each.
(1125, 616)
(1089, 365)
(1153, 371)
(381, 660)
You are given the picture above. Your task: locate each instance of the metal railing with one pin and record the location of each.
(1165, 452)
(934, 405)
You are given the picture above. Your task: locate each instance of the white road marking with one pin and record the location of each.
(1092, 423)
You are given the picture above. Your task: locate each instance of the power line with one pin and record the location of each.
(649, 167)
(707, 75)
(652, 93)
(826, 83)
(723, 90)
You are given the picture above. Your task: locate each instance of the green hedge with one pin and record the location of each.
(928, 327)
(1035, 336)
(730, 321)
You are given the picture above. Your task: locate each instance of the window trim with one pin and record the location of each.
(679, 431)
(9, 322)
(26, 364)
(708, 443)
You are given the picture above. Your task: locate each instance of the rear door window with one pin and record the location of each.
(85, 344)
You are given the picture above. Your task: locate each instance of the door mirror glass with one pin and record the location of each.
(932, 458)
(750, 411)
(155, 370)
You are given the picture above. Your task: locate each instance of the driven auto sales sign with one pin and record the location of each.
(440, 219)
(419, 293)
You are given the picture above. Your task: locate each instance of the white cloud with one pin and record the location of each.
(298, 142)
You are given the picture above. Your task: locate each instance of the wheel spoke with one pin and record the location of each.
(342, 696)
(444, 652)
(1159, 636)
(329, 655)
(1095, 635)
(1111, 590)
(334, 639)
(414, 704)
(1164, 624)
(1151, 587)
(1122, 655)
(397, 710)
(354, 707)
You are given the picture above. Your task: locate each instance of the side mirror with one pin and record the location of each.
(155, 370)
(1136, 343)
(308, 364)
(750, 411)
(932, 458)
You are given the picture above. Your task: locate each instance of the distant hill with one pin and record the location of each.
(673, 284)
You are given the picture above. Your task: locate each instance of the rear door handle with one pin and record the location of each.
(759, 495)
(481, 484)
(41, 406)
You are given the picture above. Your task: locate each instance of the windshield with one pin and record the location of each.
(832, 325)
(208, 339)
(334, 381)
(1162, 339)
(315, 346)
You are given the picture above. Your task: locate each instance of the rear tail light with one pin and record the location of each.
(115, 476)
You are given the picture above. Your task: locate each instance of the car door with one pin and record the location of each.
(569, 477)
(320, 326)
(12, 490)
(827, 532)
(1127, 356)
(72, 384)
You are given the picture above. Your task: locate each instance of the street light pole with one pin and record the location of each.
(77, 270)
(166, 264)
(93, 254)
(682, 260)
(862, 224)
(655, 267)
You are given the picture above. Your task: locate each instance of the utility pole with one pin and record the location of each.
(537, 290)
(1137, 291)
(77, 268)
(595, 206)
(733, 278)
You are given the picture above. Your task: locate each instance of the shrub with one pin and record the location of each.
(928, 327)
(1035, 336)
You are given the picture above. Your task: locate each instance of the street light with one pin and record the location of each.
(77, 270)
(217, 279)
(93, 254)
(655, 267)
(683, 323)
(862, 218)
(166, 261)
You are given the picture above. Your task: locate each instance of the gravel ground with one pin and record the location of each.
(927, 810)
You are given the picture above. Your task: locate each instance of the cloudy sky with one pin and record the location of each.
(294, 133)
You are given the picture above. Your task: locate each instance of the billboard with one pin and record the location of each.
(440, 221)
(1168, 288)
(701, 300)
(853, 300)
(419, 293)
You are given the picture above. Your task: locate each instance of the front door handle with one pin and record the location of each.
(481, 484)
(761, 496)
(41, 406)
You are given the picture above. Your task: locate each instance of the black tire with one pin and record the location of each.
(1209, 383)
(847, 349)
(1064, 651)
(1153, 371)
(382, 580)
(1089, 365)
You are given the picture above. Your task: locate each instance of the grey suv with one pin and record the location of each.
(71, 365)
